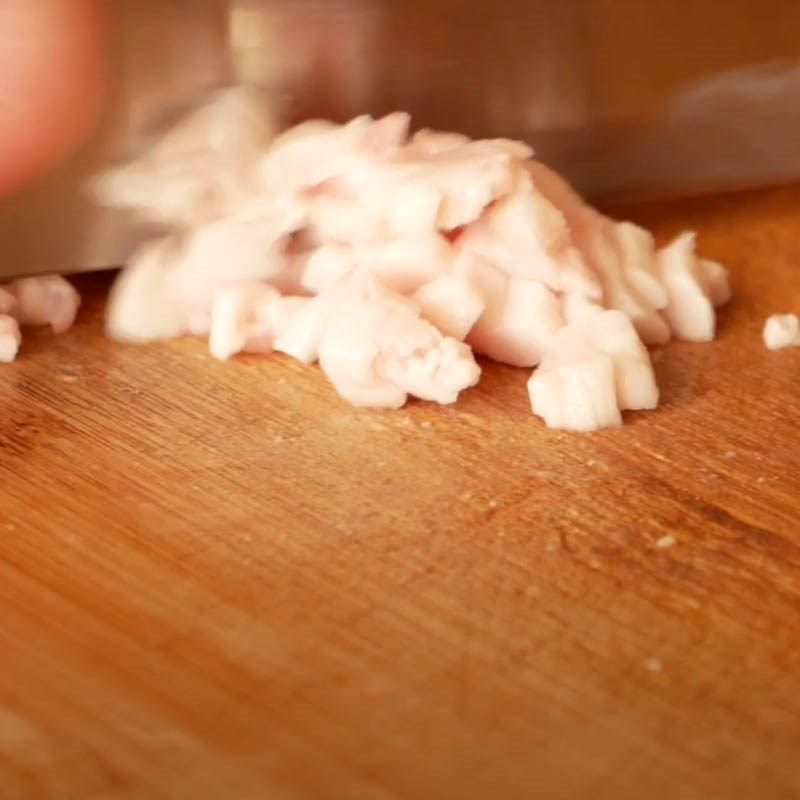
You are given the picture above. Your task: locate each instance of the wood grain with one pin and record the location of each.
(219, 581)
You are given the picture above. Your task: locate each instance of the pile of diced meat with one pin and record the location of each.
(391, 259)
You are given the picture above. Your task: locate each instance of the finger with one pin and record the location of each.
(52, 80)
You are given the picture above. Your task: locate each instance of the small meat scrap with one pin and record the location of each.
(389, 256)
(200, 169)
(690, 306)
(45, 300)
(35, 301)
(243, 317)
(594, 368)
(10, 338)
(782, 330)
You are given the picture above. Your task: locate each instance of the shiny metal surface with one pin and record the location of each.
(637, 97)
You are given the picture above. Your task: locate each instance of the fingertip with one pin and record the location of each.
(52, 82)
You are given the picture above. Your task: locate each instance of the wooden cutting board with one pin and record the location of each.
(219, 581)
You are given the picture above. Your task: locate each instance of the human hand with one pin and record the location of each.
(52, 82)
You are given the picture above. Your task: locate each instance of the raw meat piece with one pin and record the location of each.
(143, 305)
(45, 300)
(300, 326)
(577, 394)
(594, 368)
(243, 317)
(715, 280)
(10, 338)
(327, 265)
(782, 330)
(379, 255)
(620, 254)
(427, 142)
(575, 307)
(302, 322)
(689, 312)
(376, 354)
(637, 254)
(314, 152)
(168, 288)
(460, 182)
(527, 237)
(201, 169)
(520, 316)
(8, 303)
(452, 303)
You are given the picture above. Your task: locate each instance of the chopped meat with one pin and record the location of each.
(243, 318)
(302, 322)
(315, 152)
(143, 306)
(10, 338)
(620, 255)
(452, 303)
(520, 317)
(8, 303)
(527, 237)
(377, 354)
(45, 300)
(202, 168)
(458, 183)
(38, 300)
(690, 310)
(782, 330)
(715, 281)
(168, 288)
(388, 258)
(594, 368)
(671, 291)
(300, 327)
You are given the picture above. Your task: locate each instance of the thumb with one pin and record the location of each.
(52, 81)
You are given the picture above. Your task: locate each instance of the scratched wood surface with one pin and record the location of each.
(219, 581)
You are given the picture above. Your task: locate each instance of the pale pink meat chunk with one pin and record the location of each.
(576, 307)
(409, 248)
(458, 183)
(327, 265)
(690, 310)
(45, 300)
(594, 368)
(452, 303)
(577, 393)
(520, 316)
(411, 193)
(376, 355)
(243, 317)
(302, 321)
(715, 280)
(10, 338)
(621, 255)
(527, 237)
(300, 326)
(782, 330)
(8, 303)
(143, 306)
(428, 142)
(637, 253)
(201, 169)
(598, 239)
(314, 152)
(167, 289)
(402, 265)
